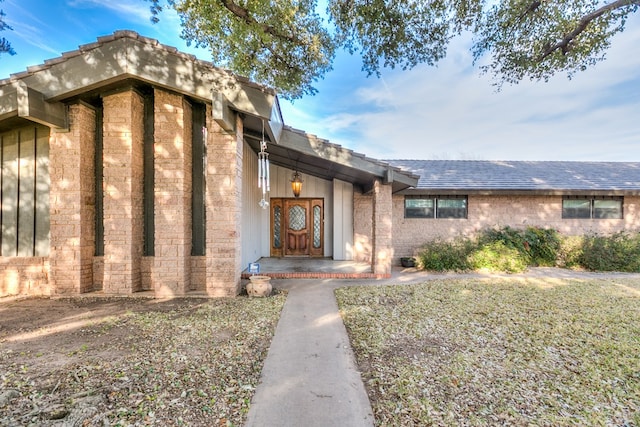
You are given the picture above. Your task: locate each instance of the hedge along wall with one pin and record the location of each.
(24, 192)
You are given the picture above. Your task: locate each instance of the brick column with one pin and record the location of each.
(123, 176)
(72, 203)
(382, 241)
(172, 262)
(224, 204)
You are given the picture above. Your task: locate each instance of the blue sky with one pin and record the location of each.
(446, 112)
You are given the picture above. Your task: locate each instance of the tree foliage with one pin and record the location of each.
(537, 38)
(5, 45)
(290, 44)
(283, 44)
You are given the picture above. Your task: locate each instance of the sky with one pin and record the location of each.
(451, 111)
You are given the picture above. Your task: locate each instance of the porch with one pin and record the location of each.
(313, 268)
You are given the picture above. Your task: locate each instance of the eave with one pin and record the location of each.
(125, 55)
(308, 154)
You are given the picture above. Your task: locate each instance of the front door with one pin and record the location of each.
(297, 227)
(296, 233)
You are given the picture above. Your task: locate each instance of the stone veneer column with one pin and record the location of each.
(382, 228)
(224, 204)
(123, 126)
(72, 203)
(172, 262)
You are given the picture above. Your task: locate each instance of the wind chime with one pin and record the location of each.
(263, 171)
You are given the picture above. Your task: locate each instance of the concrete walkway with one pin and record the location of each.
(310, 376)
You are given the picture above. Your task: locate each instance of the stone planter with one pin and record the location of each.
(259, 286)
(408, 262)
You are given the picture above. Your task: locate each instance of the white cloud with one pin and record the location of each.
(28, 28)
(132, 11)
(452, 111)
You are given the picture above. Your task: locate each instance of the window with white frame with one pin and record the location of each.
(592, 207)
(435, 206)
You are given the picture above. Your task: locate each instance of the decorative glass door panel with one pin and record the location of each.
(297, 227)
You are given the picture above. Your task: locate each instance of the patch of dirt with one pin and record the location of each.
(49, 333)
(131, 361)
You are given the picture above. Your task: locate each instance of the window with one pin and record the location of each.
(592, 207)
(435, 207)
(419, 208)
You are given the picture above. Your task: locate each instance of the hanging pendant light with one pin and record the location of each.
(296, 184)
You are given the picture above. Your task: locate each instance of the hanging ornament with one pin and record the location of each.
(263, 171)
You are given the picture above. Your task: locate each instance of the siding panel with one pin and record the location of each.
(9, 194)
(43, 183)
(26, 188)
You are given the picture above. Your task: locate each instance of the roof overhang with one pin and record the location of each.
(518, 192)
(308, 154)
(17, 100)
(125, 55)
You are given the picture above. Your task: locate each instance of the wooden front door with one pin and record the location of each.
(297, 233)
(297, 227)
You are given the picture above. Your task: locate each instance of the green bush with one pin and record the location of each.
(539, 245)
(543, 245)
(570, 251)
(618, 252)
(510, 237)
(511, 250)
(497, 256)
(446, 256)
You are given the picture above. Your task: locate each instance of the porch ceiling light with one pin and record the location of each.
(296, 184)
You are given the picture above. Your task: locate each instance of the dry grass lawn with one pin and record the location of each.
(132, 361)
(539, 352)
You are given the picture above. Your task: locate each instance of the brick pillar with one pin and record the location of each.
(172, 262)
(123, 202)
(224, 204)
(72, 203)
(382, 245)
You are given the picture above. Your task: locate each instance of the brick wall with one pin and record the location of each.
(123, 132)
(362, 227)
(497, 211)
(24, 276)
(172, 133)
(72, 203)
(198, 273)
(224, 204)
(382, 236)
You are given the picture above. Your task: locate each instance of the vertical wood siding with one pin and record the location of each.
(343, 220)
(24, 216)
(255, 220)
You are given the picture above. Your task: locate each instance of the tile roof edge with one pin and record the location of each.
(132, 35)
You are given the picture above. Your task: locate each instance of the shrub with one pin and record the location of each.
(570, 251)
(539, 245)
(509, 236)
(510, 250)
(446, 256)
(618, 252)
(543, 245)
(497, 256)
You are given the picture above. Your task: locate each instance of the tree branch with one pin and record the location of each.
(582, 24)
(244, 14)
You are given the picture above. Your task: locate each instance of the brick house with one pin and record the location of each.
(128, 166)
(460, 198)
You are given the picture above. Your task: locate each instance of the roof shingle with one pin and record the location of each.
(475, 175)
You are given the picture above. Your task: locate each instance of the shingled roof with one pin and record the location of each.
(524, 176)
